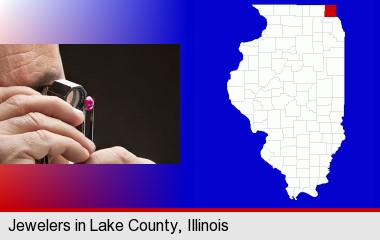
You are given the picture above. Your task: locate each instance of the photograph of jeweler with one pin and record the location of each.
(89, 104)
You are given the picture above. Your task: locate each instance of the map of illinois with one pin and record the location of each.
(290, 85)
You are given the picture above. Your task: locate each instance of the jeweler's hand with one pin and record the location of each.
(33, 126)
(115, 155)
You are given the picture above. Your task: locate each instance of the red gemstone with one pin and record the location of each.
(89, 103)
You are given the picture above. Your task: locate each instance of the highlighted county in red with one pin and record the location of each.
(330, 10)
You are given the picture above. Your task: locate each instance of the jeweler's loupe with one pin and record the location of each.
(71, 92)
(75, 95)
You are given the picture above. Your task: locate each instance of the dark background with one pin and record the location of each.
(136, 91)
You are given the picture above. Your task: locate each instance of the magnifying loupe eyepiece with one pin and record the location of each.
(71, 92)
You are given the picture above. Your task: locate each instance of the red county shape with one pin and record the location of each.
(330, 10)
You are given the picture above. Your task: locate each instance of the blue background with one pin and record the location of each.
(229, 169)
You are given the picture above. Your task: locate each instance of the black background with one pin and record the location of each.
(136, 91)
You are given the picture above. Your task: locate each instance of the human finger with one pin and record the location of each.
(37, 121)
(19, 105)
(31, 146)
(116, 155)
(7, 92)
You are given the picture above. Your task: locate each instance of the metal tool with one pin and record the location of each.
(76, 95)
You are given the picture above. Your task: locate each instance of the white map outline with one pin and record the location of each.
(290, 85)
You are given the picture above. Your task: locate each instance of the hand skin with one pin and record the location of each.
(32, 125)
